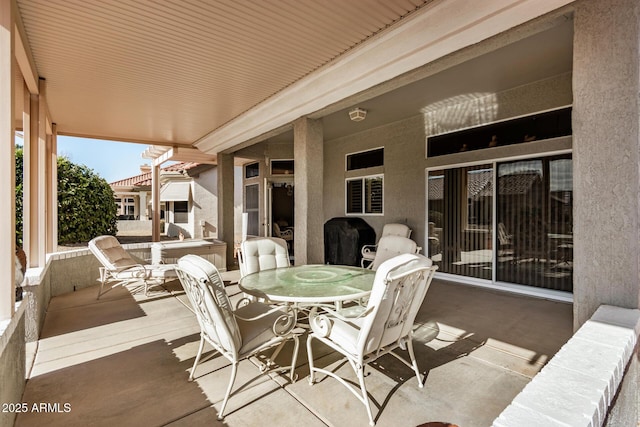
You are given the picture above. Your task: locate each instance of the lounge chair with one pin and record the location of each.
(119, 268)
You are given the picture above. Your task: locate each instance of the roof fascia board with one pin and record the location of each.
(432, 33)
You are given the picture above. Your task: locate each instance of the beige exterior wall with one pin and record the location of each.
(405, 150)
(205, 203)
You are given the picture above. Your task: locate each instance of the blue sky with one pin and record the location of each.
(111, 160)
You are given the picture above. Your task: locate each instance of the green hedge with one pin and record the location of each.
(86, 204)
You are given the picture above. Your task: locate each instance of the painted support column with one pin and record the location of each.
(606, 156)
(34, 228)
(41, 183)
(155, 203)
(30, 207)
(7, 159)
(142, 208)
(26, 138)
(226, 231)
(52, 190)
(308, 149)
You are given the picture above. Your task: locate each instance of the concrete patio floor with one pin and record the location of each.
(124, 361)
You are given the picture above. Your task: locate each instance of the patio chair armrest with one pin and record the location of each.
(348, 316)
(282, 325)
(368, 249)
(322, 323)
(138, 271)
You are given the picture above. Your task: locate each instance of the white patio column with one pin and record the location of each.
(308, 149)
(606, 153)
(34, 228)
(155, 203)
(226, 231)
(7, 159)
(51, 177)
(142, 208)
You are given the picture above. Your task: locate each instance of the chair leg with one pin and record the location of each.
(294, 358)
(310, 356)
(365, 397)
(102, 279)
(193, 369)
(234, 371)
(414, 363)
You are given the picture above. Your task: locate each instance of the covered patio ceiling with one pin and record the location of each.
(174, 74)
(170, 72)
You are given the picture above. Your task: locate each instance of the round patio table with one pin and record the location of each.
(310, 284)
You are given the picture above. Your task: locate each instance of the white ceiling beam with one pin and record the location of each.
(160, 155)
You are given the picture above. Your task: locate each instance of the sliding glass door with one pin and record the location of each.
(528, 240)
(460, 218)
(534, 213)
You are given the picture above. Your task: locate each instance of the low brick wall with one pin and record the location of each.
(64, 272)
(12, 364)
(592, 381)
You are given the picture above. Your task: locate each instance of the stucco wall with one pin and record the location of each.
(606, 156)
(403, 170)
(405, 148)
(205, 205)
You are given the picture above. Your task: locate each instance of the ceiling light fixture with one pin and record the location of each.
(357, 114)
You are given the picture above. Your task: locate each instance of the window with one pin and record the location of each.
(550, 124)
(125, 208)
(365, 195)
(282, 167)
(181, 212)
(365, 159)
(252, 208)
(129, 207)
(252, 170)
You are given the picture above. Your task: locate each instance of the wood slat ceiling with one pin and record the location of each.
(172, 71)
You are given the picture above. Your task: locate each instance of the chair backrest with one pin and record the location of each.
(396, 230)
(263, 253)
(390, 246)
(503, 236)
(399, 288)
(205, 290)
(111, 254)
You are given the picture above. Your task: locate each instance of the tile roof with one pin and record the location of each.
(144, 179)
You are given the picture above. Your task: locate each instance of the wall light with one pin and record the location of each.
(357, 114)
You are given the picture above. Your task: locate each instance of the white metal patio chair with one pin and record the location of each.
(285, 234)
(386, 324)
(391, 246)
(262, 253)
(368, 252)
(119, 268)
(235, 334)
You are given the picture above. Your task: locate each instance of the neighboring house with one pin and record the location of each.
(180, 185)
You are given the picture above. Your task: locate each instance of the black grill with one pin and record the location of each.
(343, 239)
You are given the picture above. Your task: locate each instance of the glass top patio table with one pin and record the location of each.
(310, 284)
